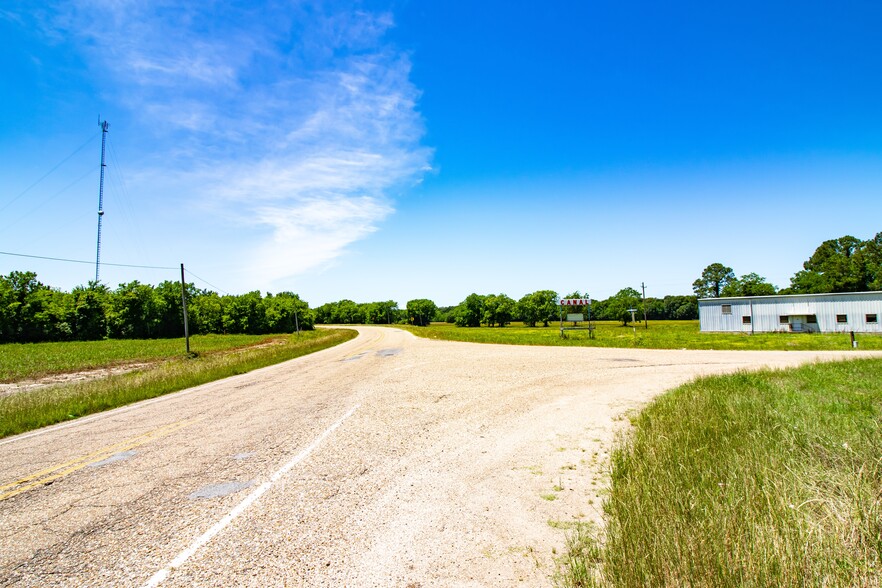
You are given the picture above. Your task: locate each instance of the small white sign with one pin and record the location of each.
(575, 318)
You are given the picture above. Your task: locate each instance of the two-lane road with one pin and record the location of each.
(386, 461)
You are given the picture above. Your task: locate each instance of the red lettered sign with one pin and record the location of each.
(575, 301)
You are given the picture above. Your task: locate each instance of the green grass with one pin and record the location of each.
(32, 409)
(19, 361)
(659, 335)
(579, 567)
(754, 479)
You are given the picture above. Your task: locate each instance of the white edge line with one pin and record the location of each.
(219, 526)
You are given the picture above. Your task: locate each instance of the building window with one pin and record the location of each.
(812, 318)
(727, 308)
(745, 320)
(871, 318)
(841, 318)
(783, 319)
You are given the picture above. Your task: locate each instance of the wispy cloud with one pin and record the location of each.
(298, 119)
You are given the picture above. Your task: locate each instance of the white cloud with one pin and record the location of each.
(296, 119)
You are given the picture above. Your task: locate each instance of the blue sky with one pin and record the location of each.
(399, 150)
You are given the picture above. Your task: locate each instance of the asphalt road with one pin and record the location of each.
(386, 461)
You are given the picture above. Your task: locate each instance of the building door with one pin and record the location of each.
(796, 324)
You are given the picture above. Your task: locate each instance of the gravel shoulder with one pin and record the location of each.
(458, 466)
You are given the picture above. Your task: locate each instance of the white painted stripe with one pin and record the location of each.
(219, 526)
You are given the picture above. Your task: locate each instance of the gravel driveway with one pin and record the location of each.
(386, 461)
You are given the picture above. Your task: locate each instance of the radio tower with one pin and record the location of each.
(104, 126)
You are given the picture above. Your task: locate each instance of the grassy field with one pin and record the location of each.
(34, 360)
(754, 479)
(659, 335)
(169, 370)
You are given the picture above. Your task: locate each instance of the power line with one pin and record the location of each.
(89, 262)
(45, 202)
(44, 176)
(209, 283)
(117, 179)
(157, 267)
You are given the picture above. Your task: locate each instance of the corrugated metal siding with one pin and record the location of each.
(765, 312)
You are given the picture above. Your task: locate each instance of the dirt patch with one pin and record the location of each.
(69, 378)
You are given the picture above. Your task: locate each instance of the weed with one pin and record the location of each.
(580, 566)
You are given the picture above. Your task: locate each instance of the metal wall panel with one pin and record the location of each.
(765, 312)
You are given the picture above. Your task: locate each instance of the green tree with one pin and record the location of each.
(713, 280)
(135, 312)
(540, 306)
(324, 314)
(617, 306)
(286, 312)
(655, 309)
(421, 311)
(348, 312)
(8, 305)
(90, 311)
(681, 308)
(205, 311)
(171, 321)
(870, 257)
(835, 266)
(245, 313)
(470, 311)
(750, 284)
(498, 310)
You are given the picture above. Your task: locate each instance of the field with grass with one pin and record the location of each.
(167, 369)
(20, 361)
(754, 479)
(659, 335)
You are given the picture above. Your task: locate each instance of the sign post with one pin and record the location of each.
(576, 318)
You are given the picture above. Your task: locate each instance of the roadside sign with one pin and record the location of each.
(575, 301)
(578, 319)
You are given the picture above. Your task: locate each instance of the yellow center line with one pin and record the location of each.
(53, 473)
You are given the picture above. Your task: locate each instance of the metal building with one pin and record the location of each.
(797, 313)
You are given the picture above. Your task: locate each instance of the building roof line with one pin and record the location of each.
(879, 292)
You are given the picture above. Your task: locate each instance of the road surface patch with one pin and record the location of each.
(48, 475)
(388, 352)
(121, 456)
(222, 489)
(160, 576)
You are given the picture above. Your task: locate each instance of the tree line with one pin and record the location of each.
(846, 264)
(541, 307)
(31, 311)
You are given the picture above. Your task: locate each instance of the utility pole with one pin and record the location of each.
(645, 320)
(184, 305)
(104, 127)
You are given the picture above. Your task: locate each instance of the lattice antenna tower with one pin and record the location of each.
(104, 127)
